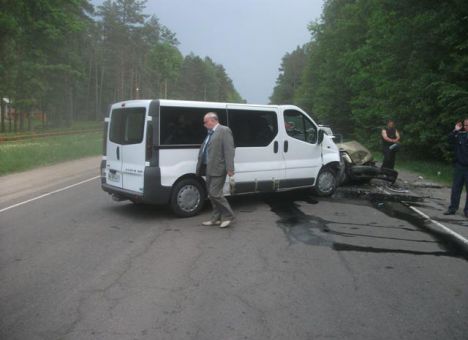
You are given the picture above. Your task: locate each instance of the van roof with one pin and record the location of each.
(193, 103)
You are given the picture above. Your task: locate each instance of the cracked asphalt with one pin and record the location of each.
(77, 265)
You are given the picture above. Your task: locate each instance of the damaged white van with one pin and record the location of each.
(151, 148)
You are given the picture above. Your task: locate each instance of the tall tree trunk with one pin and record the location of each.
(15, 122)
(89, 84)
(96, 90)
(29, 121)
(71, 107)
(9, 118)
(2, 113)
(101, 88)
(21, 121)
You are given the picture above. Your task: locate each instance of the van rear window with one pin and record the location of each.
(127, 125)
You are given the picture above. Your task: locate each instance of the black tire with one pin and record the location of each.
(326, 182)
(187, 198)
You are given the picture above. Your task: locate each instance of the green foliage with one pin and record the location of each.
(202, 79)
(70, 61)
(371, 60)
(290, 77)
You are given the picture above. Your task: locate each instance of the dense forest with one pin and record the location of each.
(70, 60)
(370, 60)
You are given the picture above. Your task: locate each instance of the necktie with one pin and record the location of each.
(205, 146)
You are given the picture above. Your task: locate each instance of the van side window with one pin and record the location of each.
(252, 128)
(299, 126)
(127, 125)
(184, 125)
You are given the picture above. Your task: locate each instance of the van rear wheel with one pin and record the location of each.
(188, 198)
(326, 182)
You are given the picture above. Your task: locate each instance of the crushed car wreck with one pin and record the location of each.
(358, 165)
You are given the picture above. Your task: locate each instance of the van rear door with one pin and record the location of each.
(126, 148)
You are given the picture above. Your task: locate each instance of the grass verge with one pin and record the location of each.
(28, 154)
(77, 125)
(435, 171)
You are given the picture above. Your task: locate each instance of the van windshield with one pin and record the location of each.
(127, 125)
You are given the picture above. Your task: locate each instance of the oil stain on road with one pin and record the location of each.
(314, 230)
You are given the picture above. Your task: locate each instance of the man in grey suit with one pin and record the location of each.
(216, 160)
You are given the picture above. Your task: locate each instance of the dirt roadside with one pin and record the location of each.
(16, 186)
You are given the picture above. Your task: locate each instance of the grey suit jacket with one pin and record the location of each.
(220, 158)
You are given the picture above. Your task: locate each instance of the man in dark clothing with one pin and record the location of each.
(390, 140)
(459, 139)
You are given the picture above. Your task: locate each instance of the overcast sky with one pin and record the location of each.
(248, 37)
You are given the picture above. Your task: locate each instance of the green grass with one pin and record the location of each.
(37, 128)
(435, 171)
(431, 170)
(28, 154)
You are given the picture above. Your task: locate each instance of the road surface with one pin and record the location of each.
(76, 265)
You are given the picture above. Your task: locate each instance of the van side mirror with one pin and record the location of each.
(321, 133)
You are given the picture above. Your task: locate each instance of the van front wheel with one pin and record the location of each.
(188, 198)
(326, 182)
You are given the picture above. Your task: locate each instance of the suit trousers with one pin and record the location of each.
(460, 179)
(221, 207)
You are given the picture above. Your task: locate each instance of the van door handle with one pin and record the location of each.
(285, 146)
(275, 147)
(118, 153)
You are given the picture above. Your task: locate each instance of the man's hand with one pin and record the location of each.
(458, 126)
(230, 173)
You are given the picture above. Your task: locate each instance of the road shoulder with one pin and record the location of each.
(23, 185)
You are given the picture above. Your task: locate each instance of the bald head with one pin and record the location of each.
(210, 120)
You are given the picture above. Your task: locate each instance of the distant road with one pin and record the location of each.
(76, 265)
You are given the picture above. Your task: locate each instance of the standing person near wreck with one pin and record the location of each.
(390, 144)
(458, 138)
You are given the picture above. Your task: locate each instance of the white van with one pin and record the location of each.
(151, 149)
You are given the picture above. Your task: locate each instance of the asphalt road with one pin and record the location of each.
(76, 265)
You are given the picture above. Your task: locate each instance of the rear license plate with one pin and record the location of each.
(113, 177)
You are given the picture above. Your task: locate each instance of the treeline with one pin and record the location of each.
(71, 60)
(370, 60)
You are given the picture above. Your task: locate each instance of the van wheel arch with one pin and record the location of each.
(188, 196)
(327, 180)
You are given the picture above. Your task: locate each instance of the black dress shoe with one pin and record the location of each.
(450, 212)
(465, 213)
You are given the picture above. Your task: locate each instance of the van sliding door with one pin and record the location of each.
(259, 161)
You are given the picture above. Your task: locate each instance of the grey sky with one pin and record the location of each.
(248, 37)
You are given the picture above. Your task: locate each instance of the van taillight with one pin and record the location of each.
(149, 142)
(104, 139)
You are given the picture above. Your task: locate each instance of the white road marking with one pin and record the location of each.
(440, 225)
(48, 194)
